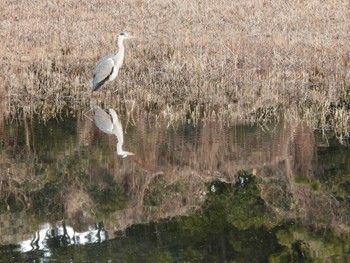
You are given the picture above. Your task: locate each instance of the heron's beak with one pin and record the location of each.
(131, 37)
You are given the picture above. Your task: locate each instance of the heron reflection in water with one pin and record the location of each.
(110, 124)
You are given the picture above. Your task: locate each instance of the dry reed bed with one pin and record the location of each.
(228, 60)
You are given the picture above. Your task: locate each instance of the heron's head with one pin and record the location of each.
(125, 154)
(123, 35)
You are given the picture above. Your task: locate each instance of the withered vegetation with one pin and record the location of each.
(226, 60)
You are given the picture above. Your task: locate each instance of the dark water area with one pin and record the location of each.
(208, 192)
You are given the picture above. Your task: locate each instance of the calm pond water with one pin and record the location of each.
(191, 193)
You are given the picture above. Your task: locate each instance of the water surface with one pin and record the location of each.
(208, 192)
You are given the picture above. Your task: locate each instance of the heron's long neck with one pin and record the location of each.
(120, 45)
(119, 57)
(120, 148)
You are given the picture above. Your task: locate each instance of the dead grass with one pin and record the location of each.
(225, 60)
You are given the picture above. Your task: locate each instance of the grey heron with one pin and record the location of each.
(107, 68)
(111, 126)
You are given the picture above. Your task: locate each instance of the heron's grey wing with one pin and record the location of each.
(103, 120)
(103, 70)
(104, 58)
